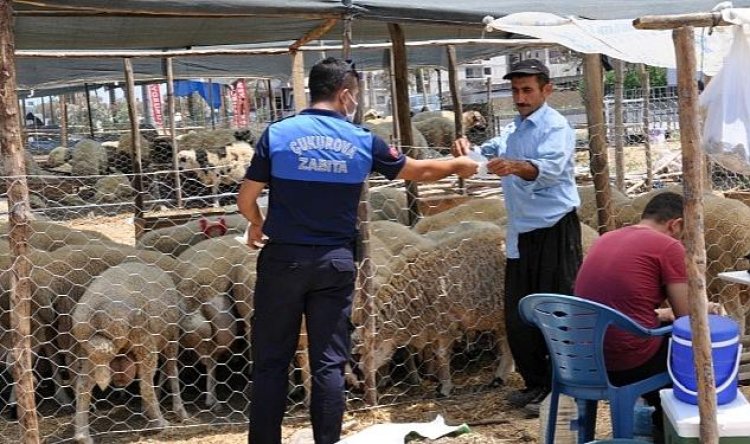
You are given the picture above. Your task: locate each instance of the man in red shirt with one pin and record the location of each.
(634, 270)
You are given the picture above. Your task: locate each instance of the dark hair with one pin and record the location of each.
(664, 207)
(329, 76)
(541, 79)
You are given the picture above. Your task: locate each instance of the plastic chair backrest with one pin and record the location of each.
(574, 331)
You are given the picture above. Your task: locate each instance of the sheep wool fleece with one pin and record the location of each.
(315, 164)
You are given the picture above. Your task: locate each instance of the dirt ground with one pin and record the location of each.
(489, 417)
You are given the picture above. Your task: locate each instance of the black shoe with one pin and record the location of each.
(534, 406)
(522, 397)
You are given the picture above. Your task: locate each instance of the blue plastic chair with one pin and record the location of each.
(574, 331)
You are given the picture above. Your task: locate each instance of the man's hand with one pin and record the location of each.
(255, 238)
(461, 147)
(504, 167)
(665, 314)
(465, 167)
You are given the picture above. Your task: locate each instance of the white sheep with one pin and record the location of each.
(437, 294)
(89, 158)
(128, 316)
(175, 240)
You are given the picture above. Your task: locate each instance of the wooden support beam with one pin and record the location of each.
(646, 91)
(298, 81)
(88, 109)
(169, 73)
(458, 108)
(271, 101)
(508, 43)
(619, 133)
(692, 167)
(699, 20)
(135, 134)
(597, 140)
(314, 34)
(11, 148)
(64, 120)
(401, 76)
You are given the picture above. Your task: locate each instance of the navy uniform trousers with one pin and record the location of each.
(317, 281)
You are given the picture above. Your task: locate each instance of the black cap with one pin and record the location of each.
(526, 67)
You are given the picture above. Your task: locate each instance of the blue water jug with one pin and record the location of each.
(726, 350)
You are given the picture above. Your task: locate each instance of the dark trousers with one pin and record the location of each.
(655, 365)
(548, 263)
(317, 281)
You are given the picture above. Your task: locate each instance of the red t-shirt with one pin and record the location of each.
(628, 269)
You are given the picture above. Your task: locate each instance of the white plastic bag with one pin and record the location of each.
(726, 103)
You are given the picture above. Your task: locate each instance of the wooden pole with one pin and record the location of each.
(619, 126)
(56, 54)
(88, 109)
(597, 140)
(646, 88)
(298, 81)
(440, 87)
(135, 133)
(458, 109)
(210, 103)
(11, 147)
(44, 112)
(112, 103)
(394, 103)
(692, 167)
(246, 103)
(702, 20)
(315, 33)
(490, 113)
(64, 120)
(401, 74)
(271, 101)
(172, 129)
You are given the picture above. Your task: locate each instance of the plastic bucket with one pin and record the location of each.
(726, 350)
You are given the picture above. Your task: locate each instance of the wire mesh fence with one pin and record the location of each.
(151, 332)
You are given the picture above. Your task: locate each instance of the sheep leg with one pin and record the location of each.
(412, 371)
(506, 363)
(210, 381)
(174, 382)
(84, 385)
(147, 363)
(442, 356)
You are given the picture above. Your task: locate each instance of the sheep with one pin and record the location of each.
(59, 279)
(490, 209)
(219, 168)
(588, 237)
(58, 156)
(439, 133)
(89, 158)
(50, 236)
(210, 270)
(175, 240)
(113, 189)
(430, 297)
(132, 312)
(420, 150)
(470, 118)
(213, 269)
(210, 331)
(587, 211)
(389, 204)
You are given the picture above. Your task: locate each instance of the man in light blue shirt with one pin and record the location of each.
(535, 156)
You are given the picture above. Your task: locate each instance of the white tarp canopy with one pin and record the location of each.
(620, 40)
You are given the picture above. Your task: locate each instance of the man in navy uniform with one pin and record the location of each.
(315, 164)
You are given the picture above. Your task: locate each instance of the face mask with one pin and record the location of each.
(350, 115)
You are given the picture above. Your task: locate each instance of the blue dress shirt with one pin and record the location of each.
(545, 139)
